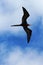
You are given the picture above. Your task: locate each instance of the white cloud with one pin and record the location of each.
(36, 5)
(9, 12)
(19, 56)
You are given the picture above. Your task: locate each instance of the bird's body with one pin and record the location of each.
(25, 25)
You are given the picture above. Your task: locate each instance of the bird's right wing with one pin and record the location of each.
(29, 33)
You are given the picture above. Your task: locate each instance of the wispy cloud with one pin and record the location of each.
(9, 12)
(21, 38)
(19, 56)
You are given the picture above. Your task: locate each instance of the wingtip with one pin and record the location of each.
(25, 12)
(22, 7)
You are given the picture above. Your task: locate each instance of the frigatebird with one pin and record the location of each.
(25, 25)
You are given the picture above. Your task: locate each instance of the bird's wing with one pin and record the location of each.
(29, 32)
(26, 14)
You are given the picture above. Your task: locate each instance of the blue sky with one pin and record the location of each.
(14, 49)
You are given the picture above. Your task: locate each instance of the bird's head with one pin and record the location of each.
(29, 24)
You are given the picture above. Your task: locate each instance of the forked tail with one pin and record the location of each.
(15, 25)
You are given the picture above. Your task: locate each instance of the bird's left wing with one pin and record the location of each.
(26, 14)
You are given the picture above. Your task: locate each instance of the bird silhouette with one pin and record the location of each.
(25, 25)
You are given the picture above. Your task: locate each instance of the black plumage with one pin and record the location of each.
(25, 25)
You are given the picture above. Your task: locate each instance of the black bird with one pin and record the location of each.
(25, 25)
